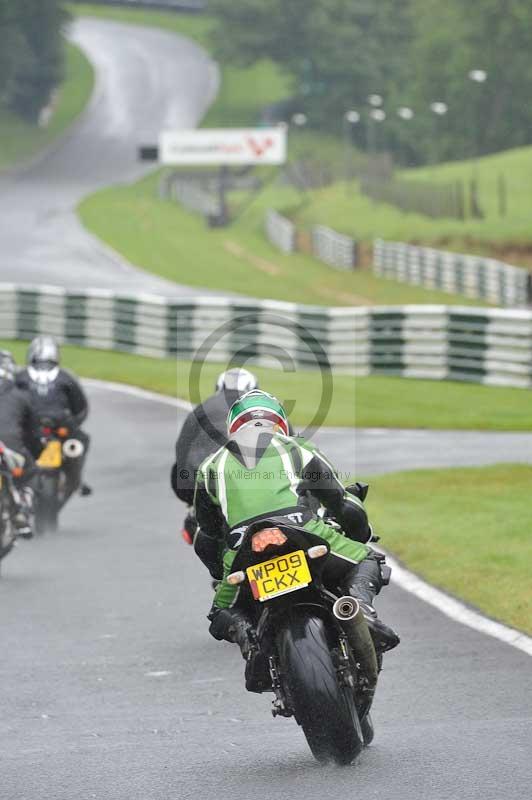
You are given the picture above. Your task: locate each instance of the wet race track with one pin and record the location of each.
(146, 80)
(112, 687)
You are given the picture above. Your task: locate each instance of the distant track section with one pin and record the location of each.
(193, 6)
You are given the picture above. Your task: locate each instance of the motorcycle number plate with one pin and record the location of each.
(279, 576)
(51, 457)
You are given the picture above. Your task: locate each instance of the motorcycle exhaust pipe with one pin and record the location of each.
(347, 610)
(73, 448)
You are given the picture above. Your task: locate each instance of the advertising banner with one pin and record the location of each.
(223, 146)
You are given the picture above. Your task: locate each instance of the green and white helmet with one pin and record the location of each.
(255, 407)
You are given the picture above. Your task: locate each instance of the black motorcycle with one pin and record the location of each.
(310, 645)
(11, 467)
(53, 483)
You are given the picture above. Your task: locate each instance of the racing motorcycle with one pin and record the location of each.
(309, 645)
(51, 483)
(11, 467)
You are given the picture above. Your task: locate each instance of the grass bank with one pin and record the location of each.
(508, 237)
(19, 141)
(466, 531)
(367, 402)
(161, 237)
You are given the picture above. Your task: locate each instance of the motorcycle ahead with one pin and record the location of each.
(53, 484)
(310, 646)
(11, 467)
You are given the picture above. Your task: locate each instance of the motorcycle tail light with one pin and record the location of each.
(47, 431)
(186, 536)
(63, 432)
(261, 540)
(17, 472)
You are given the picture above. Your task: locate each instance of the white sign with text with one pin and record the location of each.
(223, 146)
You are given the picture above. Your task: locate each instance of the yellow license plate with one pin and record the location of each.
(279, 576)
(52, 456)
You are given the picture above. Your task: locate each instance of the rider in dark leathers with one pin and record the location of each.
(56, 394)
(20, 432)
(204, 431)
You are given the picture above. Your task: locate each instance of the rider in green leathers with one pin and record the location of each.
(263, 472)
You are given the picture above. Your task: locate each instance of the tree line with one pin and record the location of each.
(471, 59)
(31, 54)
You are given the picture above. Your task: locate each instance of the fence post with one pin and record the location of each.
(501, 194)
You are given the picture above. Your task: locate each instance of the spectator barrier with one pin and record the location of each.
(472, 276)
(193, 195)
(333, 248)
(280, 231)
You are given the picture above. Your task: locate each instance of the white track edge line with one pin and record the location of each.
(135, 391)
(449, 606)
(456, 610)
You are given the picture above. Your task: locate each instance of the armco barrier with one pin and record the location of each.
(280, 231)
(193, 195)
(333, 248)
(492, 346)
(472, 276)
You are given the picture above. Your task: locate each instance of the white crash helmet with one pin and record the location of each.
(236, 380)
(43, 360)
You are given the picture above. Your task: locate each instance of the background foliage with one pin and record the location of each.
(411, 52)
(31, 53)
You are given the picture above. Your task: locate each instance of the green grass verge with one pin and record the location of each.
(464, 530)
(20, 141)
(343, 207)
(161, 237)
(508, 237)
(366, 402)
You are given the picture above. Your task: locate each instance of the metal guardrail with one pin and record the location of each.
(472, 276)
(192, 194)
(334, 248)
(491, 346)
(280, 231)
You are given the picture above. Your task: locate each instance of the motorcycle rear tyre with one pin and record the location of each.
(324, 709)
(47, 504)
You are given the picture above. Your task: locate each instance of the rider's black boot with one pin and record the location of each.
(233, 625)
(363, 582)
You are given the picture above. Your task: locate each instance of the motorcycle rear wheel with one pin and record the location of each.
(47, 504)
(324, 709)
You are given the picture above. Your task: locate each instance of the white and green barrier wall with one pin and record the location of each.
(472, 276)
(492, 346)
